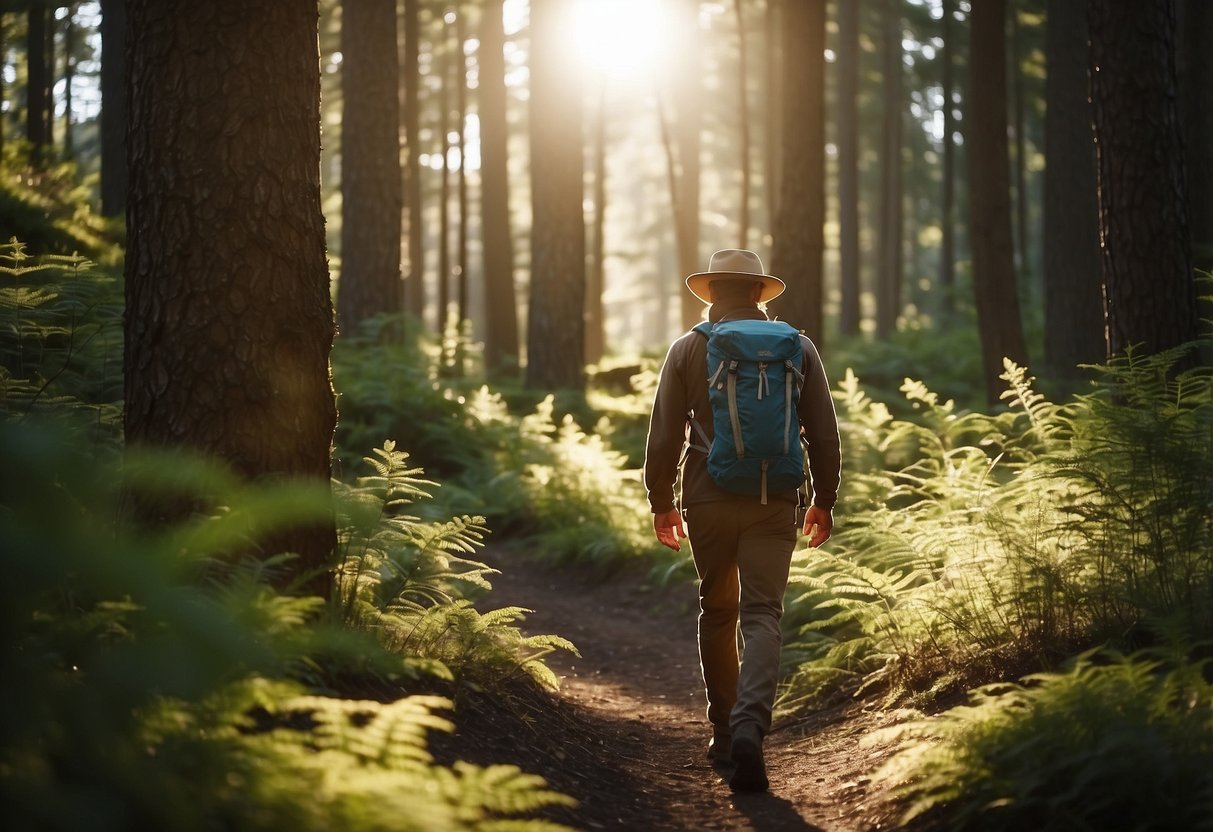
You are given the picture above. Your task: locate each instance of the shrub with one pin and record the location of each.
(1112, 744)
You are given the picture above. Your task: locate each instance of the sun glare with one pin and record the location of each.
(620, 39)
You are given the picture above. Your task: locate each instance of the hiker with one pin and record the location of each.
(741, 533)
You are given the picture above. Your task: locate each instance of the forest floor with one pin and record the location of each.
(626, 734)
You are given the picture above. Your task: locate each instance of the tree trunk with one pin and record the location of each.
(889, 271)
(1072, 278)
(1149, 293)
(595, 316)
(947, 248)
(1195, 71)
(371, 199)
(461, 183)
(743, 105)
(848, 165)
(444, 188)
(797, 250)
(774, 109)
(994, 285)
(3, 63)
(501, 304)
(69, 67)
(113, 108)
(229, 324)
(415, 283)
(556, 326)
(1023, 233)
(37, 88)
(688, 115)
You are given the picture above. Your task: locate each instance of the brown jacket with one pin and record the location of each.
(682, 393)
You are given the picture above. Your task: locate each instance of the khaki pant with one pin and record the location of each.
(742, 552)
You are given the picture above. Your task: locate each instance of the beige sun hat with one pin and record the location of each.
(731, 264)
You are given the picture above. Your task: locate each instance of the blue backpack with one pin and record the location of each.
(754, 379)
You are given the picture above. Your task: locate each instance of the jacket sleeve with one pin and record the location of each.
(667, 432)
(820, 426)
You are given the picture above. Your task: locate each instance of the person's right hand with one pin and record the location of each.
(818, 523)
(669, 529)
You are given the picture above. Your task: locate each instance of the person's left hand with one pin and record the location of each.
(669, 529)
(818, 523)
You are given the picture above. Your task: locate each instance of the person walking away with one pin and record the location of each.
(742, 528)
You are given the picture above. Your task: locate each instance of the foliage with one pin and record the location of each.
(552, 485)
(51, 209)
(978, 544)
(156, 679)
(407, 580)
(1114, 743)
(61, 350)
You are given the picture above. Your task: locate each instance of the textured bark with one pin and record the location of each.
(37, 87)
(889, 270)
(501, 303)
(595, 314)
(1074, 331)
(774, 108)
(461, 183)
(947, 205)
(415, 282)
(229, 323)
(445, 74)
(688, 124)
(998, 316)
(1015, 68)
(113, 108)
(743, 105)
(556, 326)
(1149, 293)
(69, 70)
(1195, 70)
(848, 165)
(371, 199)
(796, 254)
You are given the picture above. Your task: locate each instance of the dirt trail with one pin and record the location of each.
(627, 734)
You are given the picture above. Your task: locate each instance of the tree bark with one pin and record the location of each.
(774, 109)
(415, 282)
(444, 187)
(371, 199)
(797, 250)
(688, 124)
(501, 304)
(889, 272)
(113, 108)
(947, 207)
(1149, 293)
(1195, 71)
(556, 326)
(461, 183)
(1023, 232)
(37, 87)
(229, 323)
(994, 285)
(1072, 279)
(743, 105)
(595, 315)
(848, 165)
(69, 71)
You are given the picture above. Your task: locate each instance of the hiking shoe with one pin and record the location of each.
(751, 772)
(720, 748)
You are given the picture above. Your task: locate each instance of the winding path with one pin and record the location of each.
(638, 695)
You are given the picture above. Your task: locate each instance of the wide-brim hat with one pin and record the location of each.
(735, 264)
